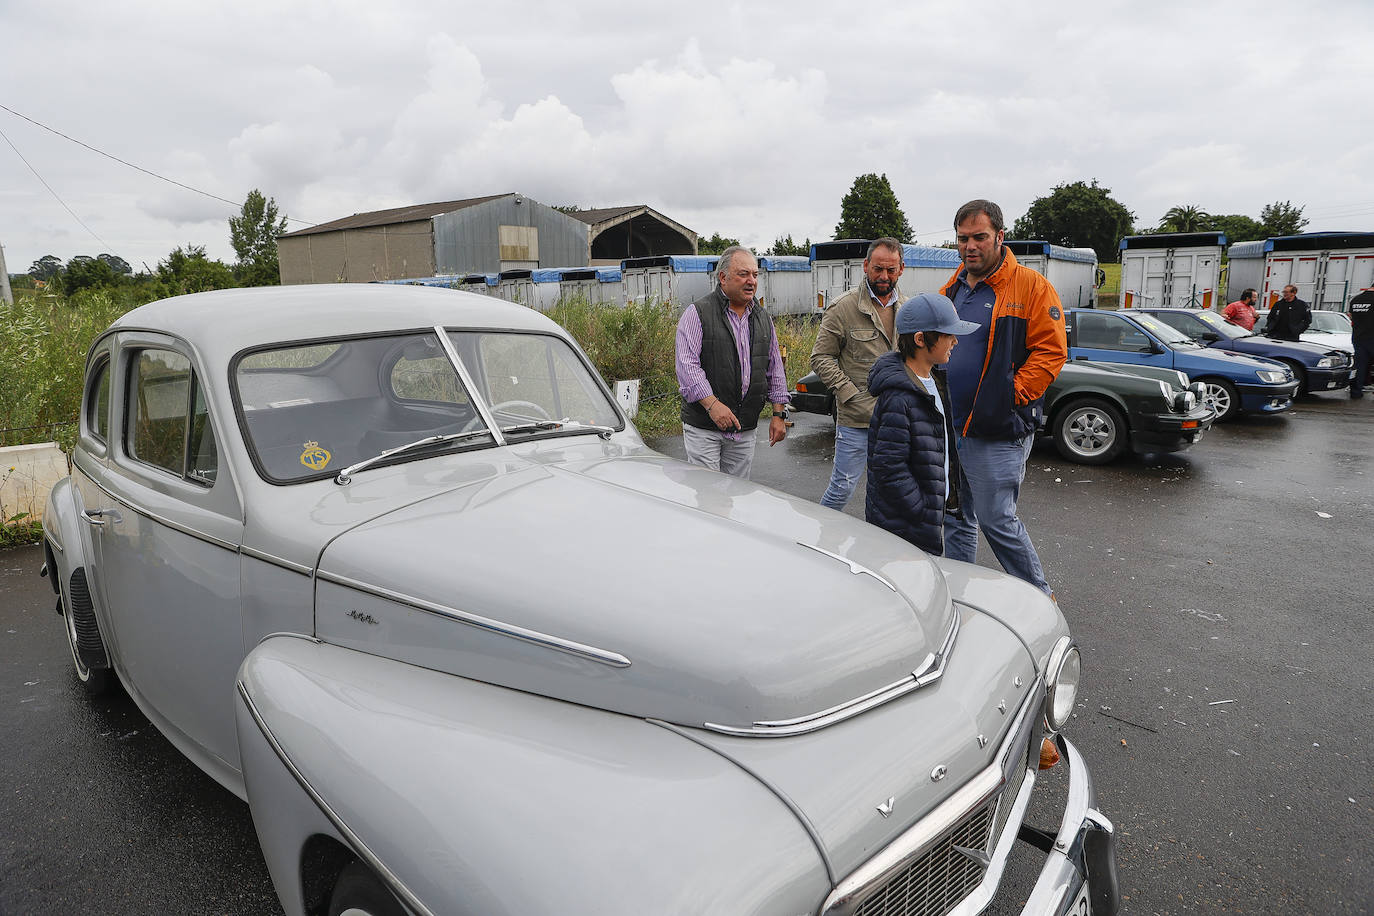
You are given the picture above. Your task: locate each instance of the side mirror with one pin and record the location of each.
(1210, 336)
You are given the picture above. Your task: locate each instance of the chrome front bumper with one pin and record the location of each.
(1084, 850)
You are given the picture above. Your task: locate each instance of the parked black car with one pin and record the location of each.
(1095, 411)
(1316, 367)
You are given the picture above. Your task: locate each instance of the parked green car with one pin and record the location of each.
(1095, 411)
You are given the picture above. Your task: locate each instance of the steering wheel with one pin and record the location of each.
(541, 413)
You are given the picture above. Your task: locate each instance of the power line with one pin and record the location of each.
(104, 244)
(137, 168)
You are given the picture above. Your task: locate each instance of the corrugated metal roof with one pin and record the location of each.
(395, 215)
(592, 217)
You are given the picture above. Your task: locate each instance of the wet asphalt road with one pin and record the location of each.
(1222, 598)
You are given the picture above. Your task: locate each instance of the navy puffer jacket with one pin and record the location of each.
(906, 457)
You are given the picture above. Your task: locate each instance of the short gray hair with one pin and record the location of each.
(727, 256)
(986, 207)
(887, 242)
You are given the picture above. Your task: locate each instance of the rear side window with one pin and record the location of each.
(98, 402)
(168, 421)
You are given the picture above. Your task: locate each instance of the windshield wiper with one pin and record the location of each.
(346, 475)
(566, 426)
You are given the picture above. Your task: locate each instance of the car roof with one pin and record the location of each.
(223, 322)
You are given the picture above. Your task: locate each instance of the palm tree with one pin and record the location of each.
(1185, 219)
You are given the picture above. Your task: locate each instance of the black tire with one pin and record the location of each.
(1221, 397)
(359, 892)
(1090, 432)
(1300, 374)
(96, 680)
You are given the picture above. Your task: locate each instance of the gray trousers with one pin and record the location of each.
(713, 449)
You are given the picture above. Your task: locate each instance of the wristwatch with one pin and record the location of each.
(780, 414)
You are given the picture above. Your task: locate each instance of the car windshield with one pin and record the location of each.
(1222, 326)
(311, 409)
(1330, 322)
(1160, 329)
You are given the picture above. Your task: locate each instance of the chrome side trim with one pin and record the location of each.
(591, 653)
(53, 541)
(161, 520)
(359, 847)
(487, 416)
(265, 557)
(931, 669)
(919, 837)
(855, 568)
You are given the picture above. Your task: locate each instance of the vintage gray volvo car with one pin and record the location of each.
(392, 565)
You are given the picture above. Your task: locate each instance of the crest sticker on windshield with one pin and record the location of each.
(314, 457)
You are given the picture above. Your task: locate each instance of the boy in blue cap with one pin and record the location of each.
(910, 463)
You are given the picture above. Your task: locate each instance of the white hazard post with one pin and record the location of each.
(627, 395)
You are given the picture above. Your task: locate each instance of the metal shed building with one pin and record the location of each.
(635, 231)
(679, 279)
(1327, 267)
(1171, 269)
(489, 234)
(1071, 271)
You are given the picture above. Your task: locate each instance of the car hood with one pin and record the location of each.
(1270, 347)
(639, 585)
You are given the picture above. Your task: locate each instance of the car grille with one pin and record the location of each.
(937, 881)
(934, 883)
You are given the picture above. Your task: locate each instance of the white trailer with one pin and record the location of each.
(677, 278)
(1171, 270)
(1328, 268)
(546, 286)
(515, 286)
(482, 284)
(596, 284)
(836, 268)
(926, 269)
(1071, 271)
(785, 284)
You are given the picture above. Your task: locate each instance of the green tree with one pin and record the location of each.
(253, 233)
(1078, 215)
(116, 263)
(46, 267)
(1281, 218)
(85, 272)
(870, 210)
(1237, 227)
(784, 245)
(190, 271)
(1185, 219)
(715, 244)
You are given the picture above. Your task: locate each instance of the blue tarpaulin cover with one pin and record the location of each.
(785, 262)
(928, 256)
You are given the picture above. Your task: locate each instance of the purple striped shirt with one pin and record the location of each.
(691, 378)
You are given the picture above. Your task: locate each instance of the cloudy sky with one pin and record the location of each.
(747, 119)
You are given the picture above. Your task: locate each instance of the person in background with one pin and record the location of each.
(1289, 317)
(997, 381)
(856, 329)
(1362, 336)
(1242, 312)
(728, 365)
(913, 475)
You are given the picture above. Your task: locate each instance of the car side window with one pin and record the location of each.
(168, 422)
(1108, 332)
(98, 402)
(1186, 324)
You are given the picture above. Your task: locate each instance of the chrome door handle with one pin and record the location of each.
(96, 517)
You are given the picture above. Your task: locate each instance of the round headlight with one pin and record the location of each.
(1186, 401)
(1061, 683)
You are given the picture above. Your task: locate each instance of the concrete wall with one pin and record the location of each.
(27, 473)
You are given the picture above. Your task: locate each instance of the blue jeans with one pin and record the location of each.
(993, 471)
(851, 459)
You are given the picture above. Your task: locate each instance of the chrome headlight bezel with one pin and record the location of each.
(1063, 672)
(1185, 401)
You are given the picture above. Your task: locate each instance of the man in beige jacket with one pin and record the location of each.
(856, 329)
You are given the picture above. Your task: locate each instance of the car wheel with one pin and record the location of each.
(359, 892)
(1221, 397)
(1090, 432)
(83, 634)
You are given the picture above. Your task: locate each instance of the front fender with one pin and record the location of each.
(1022, 608)
(468, 798)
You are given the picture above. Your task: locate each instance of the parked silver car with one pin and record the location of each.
(391, 564)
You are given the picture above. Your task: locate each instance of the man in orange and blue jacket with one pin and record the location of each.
(997, 379)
